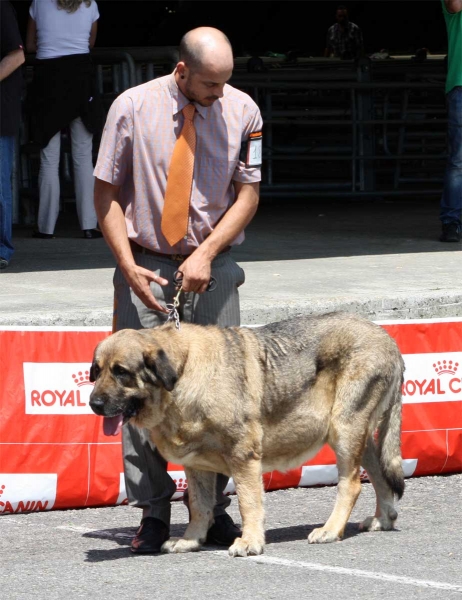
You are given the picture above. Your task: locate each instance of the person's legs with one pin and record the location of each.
(82, 143)
(451, 200)
(49, 189)
(6, 198)
(147, 482)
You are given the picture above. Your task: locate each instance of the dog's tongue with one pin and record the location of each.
(112, 425)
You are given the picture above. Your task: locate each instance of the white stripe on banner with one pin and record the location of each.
(27, 492)
(328, 474)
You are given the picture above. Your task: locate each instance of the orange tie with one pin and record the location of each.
(179, 183)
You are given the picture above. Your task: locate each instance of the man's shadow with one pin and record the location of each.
(123, 536)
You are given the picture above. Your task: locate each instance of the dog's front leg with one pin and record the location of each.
(201, 491)
(249, 488)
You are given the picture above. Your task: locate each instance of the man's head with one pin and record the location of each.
(341, 16)
(206, 64)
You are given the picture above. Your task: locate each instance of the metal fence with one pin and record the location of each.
(351, 130)
(331, 128)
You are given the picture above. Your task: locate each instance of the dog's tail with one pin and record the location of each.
(389, 440)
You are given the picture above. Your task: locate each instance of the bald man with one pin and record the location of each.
(142, 127)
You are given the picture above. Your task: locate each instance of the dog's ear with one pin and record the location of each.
(92, 373)
(156, 363)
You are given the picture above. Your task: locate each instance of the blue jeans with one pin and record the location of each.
(6, 198)
(451, 201)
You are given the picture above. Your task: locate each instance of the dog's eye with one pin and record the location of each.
(118, 370)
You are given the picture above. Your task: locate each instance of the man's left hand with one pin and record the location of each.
(196, 271)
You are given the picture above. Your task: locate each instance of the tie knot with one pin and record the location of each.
(188, 111)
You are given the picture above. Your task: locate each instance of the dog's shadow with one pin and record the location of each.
(123, 536)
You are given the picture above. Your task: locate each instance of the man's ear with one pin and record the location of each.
(157, 363)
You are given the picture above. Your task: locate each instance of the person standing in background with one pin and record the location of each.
(344, 39)
(451, 200)
(62, 32)
(11, 80)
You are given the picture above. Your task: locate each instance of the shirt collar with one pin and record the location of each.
(179, 100)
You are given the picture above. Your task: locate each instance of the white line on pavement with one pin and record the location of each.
(353, 572)
(298, 564)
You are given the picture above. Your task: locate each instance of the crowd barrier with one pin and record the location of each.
(53, 454)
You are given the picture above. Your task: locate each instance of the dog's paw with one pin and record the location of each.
(179, 545)
(244, 547)
(376, 524)
(323, 536)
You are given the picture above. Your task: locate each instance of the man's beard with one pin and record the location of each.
(190, 95)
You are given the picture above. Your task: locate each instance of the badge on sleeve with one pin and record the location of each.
(252, 150)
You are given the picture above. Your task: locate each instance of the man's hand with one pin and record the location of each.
(196, 270)
(112, 223)
(139, 278)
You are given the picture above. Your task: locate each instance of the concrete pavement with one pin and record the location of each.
(85, 554)
(379, 258)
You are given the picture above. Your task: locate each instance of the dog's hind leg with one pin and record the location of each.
(201, 488)
(348, 490)
(249, 488)
(385, 513)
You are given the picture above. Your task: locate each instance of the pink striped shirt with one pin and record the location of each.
(137, 145)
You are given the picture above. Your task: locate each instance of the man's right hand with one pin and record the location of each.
(139, 278)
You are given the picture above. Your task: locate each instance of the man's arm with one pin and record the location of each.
(453, 6)
(112, 223)
(93, 33)
(12, 61)
(31, 36)
(197, 268)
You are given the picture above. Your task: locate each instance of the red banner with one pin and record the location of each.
(53, 453)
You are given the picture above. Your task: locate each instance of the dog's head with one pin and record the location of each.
(130, 370)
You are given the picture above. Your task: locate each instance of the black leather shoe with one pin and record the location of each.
(42, 236)
(223, 532)
(150, 536)
(91, 234)
(451, 232)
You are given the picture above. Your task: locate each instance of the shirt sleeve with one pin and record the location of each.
(10, 36)
(254, 124)
(33, 10)
(115, 156)
(95, 13)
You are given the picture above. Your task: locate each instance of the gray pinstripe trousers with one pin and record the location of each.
(147, 482)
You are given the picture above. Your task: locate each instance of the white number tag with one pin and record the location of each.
(254, 150)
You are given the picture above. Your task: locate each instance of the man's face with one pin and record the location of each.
(341, 17)
(206, 86)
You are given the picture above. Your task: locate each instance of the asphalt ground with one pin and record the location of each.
(85, 553)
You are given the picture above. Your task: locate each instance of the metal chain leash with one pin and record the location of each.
(173, 308)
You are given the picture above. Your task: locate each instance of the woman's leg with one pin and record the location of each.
(49, 185)
(81, 140)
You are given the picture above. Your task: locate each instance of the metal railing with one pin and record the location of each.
(351, 130)
(331, 128)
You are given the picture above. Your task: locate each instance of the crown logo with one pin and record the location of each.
(82, 378)
(446, 366)
(181, 484)
(1, 489)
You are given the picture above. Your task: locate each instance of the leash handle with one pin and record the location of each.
(178, 280)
